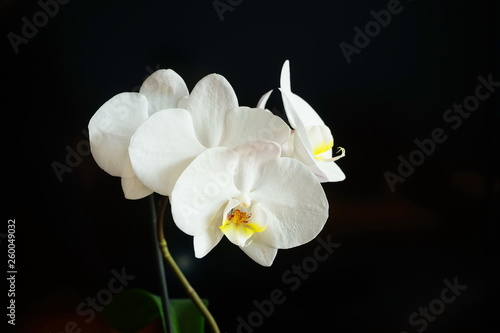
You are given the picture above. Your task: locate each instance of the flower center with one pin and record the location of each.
(239, 227)
(237, 216)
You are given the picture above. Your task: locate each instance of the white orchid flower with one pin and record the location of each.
(165, 144)
(114, 123)
(311, 141)
(259, 200)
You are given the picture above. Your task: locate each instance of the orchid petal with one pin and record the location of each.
(263, 100)
(163, 90)
(298, 125)
(260, 253)
(303, 111)
(134, 189)
(285, 82)
(182, 103)
(211, 99)
(244, 124)
(203, 188)
(287, 149)
(162, 147)
(294, 202)
(204, 242)
(111, 128)
(252, 157)
(330, 172)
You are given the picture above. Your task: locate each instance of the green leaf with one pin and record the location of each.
(186, 317)
(134, 309)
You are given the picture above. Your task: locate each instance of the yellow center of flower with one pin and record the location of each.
(322, 148)
(238, 228)
(237, 216)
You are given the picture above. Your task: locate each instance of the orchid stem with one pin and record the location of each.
(173, 265)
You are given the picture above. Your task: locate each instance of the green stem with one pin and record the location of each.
(173, 265)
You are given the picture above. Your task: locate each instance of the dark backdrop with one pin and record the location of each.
(396, 247)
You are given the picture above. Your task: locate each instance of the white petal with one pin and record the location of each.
(263, 100)
(303, 110)
(244, 124)
(182, 104)
(294, 202)
(285, 77)
(163, 90)
(252, 156)
(260, 253)
(330, 172)
(204, 187)
(162, 147)
(287, 149)
(111, 128)
(209, 102)
(134, 189)
(207, 240)
(294, 119)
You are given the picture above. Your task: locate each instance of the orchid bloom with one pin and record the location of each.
(259, 200)
(164, 145)
(311, 141)
(114, 123)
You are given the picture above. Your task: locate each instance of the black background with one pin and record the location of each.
(397, 247)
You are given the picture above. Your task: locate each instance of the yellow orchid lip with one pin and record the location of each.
(322, 148)
(238, 228)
